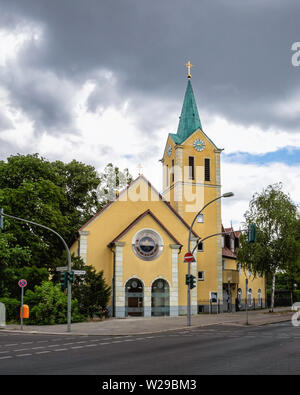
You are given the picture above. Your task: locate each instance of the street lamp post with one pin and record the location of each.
(225, 195)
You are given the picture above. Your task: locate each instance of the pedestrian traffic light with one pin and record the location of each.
(64, 280)
(71, 276)
(1, 220)
(252, 233)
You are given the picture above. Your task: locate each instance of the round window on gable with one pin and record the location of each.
(147, 245)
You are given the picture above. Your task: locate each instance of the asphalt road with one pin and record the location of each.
(220, 349)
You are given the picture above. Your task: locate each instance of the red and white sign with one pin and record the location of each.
(22, 283)
(189, 257)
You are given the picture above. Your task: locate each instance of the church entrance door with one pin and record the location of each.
(160, 298)
(134, 296)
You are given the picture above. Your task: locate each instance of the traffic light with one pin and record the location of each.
(1, 220)
(71, 276)
(190, 280)
(64, 280)
(187, 279)
(252, 233)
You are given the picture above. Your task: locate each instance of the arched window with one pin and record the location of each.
(259, 297)
(250, 297)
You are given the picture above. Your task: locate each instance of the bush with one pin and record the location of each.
(48, 305)
(12, 307)
(296, 296)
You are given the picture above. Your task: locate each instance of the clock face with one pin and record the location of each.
(199, 145)
(169, 150)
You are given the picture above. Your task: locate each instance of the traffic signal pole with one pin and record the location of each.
(68, 255)
(227, 194)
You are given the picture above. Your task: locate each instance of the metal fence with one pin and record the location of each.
(213, 306)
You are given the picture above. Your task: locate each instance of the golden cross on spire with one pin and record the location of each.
(140, 169)
(188, 65)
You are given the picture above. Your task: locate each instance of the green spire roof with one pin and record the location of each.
(189, 118)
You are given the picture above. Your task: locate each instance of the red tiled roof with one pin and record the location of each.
(228, 253)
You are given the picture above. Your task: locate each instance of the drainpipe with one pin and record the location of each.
(114, 284)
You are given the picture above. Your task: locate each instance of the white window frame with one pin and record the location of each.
(201, 279)
(213, 292)
(200, 218)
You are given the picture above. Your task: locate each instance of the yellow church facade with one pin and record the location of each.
(139, 239)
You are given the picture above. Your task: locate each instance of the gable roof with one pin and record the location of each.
(138, 219)
(161, 198)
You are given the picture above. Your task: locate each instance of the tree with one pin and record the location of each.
(48, 305)
(90, 290)
(112, 180)
(275, 216)
(62, 196)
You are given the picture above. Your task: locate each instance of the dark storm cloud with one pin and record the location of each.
(241, 51)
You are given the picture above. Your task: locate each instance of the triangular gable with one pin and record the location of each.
(137, 220)
(154, 193)
(181, 142)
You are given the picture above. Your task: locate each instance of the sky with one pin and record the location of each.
(103, 81)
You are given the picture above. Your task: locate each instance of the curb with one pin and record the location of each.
(255, 323)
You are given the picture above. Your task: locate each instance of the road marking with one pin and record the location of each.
(23, 355)
(9, 356)
(2, 352)
(60, 349)
(27, 343)
(77, 347)
(13, 344)
(42, 352)
(54, 345)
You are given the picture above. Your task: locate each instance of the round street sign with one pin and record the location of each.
(189, 257)
(22, 283)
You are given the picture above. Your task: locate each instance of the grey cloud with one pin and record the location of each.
(241, 52)
(5, 122)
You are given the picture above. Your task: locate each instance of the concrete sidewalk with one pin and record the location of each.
(144, 325)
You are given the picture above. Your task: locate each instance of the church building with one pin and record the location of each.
(140, 238)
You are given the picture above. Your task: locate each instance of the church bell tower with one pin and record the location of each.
(191, 179)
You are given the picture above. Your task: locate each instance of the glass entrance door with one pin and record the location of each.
(160, 298)
(134, 296)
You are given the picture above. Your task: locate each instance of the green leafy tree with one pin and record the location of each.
(60, 196)
(48, 305)
(112, 180)
(90, 290)
(275, 216)
(14, 261)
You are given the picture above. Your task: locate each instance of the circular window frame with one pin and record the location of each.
(159, 245)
